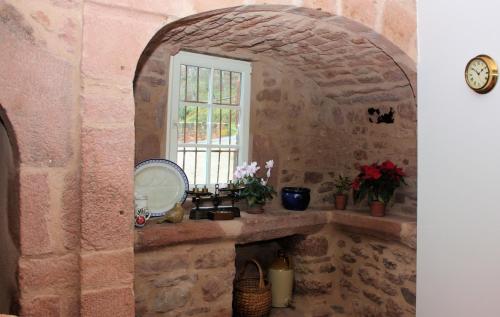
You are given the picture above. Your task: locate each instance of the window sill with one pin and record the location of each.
(274, 224)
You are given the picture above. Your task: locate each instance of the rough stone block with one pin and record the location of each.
(71, 208)
(107, 188)
(48, 274)
(156, 262)
(39, 100)
(46, 306)
(217, 285)
(111, 48)
(35, 209)
(215, 258)
(107, 269)
(108, 302)
(172, 298)
(400, 22)
(106, 105)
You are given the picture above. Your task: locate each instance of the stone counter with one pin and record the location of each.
(272, 225)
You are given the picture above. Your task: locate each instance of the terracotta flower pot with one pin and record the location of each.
(255, 209)
(340, 201)
(377, 208)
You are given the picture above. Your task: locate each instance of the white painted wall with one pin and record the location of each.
(459, 163)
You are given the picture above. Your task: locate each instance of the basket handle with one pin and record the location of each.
(261, 274)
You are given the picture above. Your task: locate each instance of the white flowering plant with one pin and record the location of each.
(256, 190)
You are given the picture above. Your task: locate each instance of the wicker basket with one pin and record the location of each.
(252, 295)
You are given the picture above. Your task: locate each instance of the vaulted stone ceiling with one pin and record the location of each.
(351, 63)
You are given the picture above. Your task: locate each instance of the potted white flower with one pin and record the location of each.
(256, 190)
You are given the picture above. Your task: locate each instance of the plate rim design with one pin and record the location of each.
(176, 167)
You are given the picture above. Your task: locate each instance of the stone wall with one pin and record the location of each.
(40, 50)
(343, 273)
(187, 280)
(314, 77)
(338, 272)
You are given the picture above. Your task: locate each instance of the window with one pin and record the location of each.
(208, 116)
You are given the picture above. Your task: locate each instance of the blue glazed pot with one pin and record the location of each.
(295, 198)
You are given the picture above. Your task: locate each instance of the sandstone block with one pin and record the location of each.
(172, 298)
(108, 302)
(47, 306)
(347, 285)
(400, 22)
(107, 188)
(393, 309)
(313, 177)
(216, 258)
(106, 105)
(35, 210)
(216, 286)
(373, 297)
(346, 257)
(312, 287)
(107, 269)
(409, 296)
(361, 11)
(115, 60)
(71, 207)
(40, 100)
(175, 278)
(49, 273)
(310, 246)
(153, 263)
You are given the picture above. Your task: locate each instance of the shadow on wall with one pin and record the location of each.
(9, 221)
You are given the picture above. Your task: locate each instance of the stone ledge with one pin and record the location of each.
(272, 225)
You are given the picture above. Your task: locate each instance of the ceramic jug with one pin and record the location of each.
(281, 278)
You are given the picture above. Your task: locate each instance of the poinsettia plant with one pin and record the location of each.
(256, 190)
(378, 182)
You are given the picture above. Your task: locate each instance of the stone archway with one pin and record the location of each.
(313, 126)
(114, 37)
(9, 217)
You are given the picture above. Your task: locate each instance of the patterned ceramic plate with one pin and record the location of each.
(163, 182)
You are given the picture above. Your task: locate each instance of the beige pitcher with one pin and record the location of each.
(281, 278)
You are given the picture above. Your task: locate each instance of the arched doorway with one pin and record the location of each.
(9, 220)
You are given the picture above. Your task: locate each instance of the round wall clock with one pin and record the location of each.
(481, 74)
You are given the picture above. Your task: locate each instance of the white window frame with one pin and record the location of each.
(211, 62)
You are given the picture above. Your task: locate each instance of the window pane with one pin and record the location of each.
(222, 166)
(194, 164)
(226, 87)
(182, 86)
(192, 126)
(203, 84)
(192, 83)
(216, 87)
(235, 88)
(224, 129)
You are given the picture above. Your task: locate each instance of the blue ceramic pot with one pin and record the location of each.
(295, 198)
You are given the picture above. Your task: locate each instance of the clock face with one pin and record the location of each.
(477, 73)
(481, 74)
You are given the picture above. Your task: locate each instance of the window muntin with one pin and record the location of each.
(208, 137)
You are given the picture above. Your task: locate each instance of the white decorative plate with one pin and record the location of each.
(163, 182)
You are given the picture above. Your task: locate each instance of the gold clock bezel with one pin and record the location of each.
(493, 74)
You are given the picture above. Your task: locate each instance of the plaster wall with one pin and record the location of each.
(8, 248)
(458, 254)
